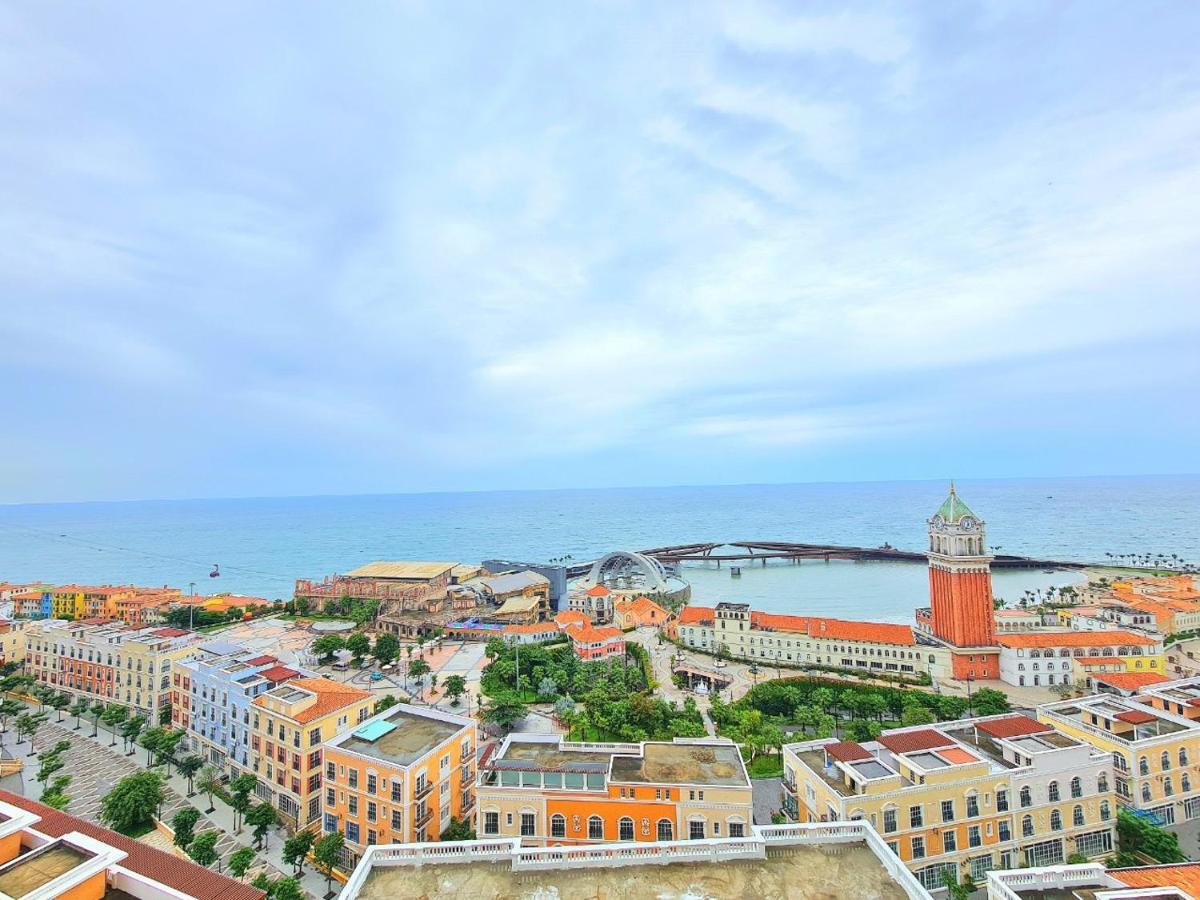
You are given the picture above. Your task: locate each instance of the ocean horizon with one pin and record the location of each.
(263, 544)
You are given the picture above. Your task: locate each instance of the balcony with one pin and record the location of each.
(423, 790)
(423, 817)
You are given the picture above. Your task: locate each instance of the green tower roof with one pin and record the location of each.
(953, 508)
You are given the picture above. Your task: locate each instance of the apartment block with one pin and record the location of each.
(968, 797)
(12, 640)
(1069, 657)
(212, 695)
(1153, 737)
(109, 661)
(289, 725)
(548, 791)
(399, 778)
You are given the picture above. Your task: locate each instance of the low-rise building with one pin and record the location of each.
(1124, 684)
(1183, 658)
(1009, 620)
(110, 661)
(1153, 738)
(1047, 658)
(399, 777)
(1180, 881)
(547, 791)
(596, 642)
(735, 630)
(640, 612)
(290, 723)
(962, 798)
(12, 640)
(46, 853)
(596, 603)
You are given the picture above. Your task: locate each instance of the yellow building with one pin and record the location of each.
(66, 602)
(12, 641)
(963, 798)
(1153, 738)
(290, 725)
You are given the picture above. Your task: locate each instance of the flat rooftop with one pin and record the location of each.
(798, 873)
(535, 755)
(715, 764)
(409, 738)
(38, 868)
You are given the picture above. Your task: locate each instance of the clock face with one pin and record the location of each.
(939, 523)
(968, 523)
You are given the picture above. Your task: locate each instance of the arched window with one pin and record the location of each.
(595, 828)
(1105, 811)
(1185, 782)
(1077, 816)
(1027, 826)
(1076, 787)
(1064, 652)
(1026, 797)
(1145, 793)
(1052, 791)
(665, 830)
(1165, 761)
(1183, 757)
(625, 829)
(558, 826)
(1055, 820)
(1168, 787)
(1144, 765)
(1102, 783)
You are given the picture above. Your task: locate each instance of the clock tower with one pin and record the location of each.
(960, 576)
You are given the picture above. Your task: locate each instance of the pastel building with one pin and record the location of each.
(544, 790)
(1153, 737)
(109, 661)
(12, 640)
(212, 697)
(1180, 881)
(1047, 658)
(990, 793)
(596, 642)
(290, 723)
(399, 777)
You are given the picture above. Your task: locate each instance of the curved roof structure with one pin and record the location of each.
(626, 563)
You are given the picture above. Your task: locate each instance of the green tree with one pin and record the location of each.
(261, 819)
(97, 710)
(203, 848)
(286, 889)
(114, 714)
(295, 849)
(29, 724)
(359, 646)
(387, 701)
(130, 732)
(209, 782)
(458, 830)
(325, 853)
(132, 802)
(60, 701)
(78, 709)
(990, 702)
(8, 709)
(455, 686)
(188, 767)
(240, 862)
(240, 791)
(168, 744)
(151, 740)
(327, 645)
(1136, 835)
(418, 669)
(50, 763)
(915, 714)
(505, 711)
(183, 823)
(387, 648)
(56, 794)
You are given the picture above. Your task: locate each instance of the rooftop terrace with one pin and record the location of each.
(713, 764)
(409, 738)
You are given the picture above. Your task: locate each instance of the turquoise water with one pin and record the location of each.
(262, 545)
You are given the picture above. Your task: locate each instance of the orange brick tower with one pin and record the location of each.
(960, 579)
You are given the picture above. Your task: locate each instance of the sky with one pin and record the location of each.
(281, 248)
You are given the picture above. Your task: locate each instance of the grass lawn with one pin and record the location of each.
(765, 766)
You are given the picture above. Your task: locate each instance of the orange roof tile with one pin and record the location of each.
(598, 590)
(696, 615)
(1098, 660)
(1186, 877)
(778, 622)
(847, 751)
(586, 634)
(911, 741)
(873, 632)
(1074, 639)
(331, 696)
(1130, 681)
(571, 617)
(1013, 726)
(1135, 717)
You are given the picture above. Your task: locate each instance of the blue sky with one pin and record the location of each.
(280, 248)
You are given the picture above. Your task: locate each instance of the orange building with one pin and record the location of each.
(290, 725)
(400, 777)
(591, 643)
(547, 791)
(639, 613)
(962, 612)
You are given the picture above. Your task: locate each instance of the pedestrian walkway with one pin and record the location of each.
(96, 765)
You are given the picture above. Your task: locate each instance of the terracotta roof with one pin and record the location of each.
(644, 610)
(598, 590)
(331, 696)
(170, 632)
(778, 622)
(1013, 726)
(696, 615)
(586, 634)
(847, 751)
(182, 875)
(1186, 877)
(572, 617)
(1074, 639)
(261, 661)
(873, 632)
(278, 673)
(1135, 717)
(911, 741)
(1097, 660)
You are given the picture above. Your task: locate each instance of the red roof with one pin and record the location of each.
(1135, 717)
(278, 673)
(1013, 726)
(847, 751)
(1075, 639)
(170, 632)
(180, 874)
(818, 627)
(598, 591)
(261, 661)
(911, 741)
(696, 615)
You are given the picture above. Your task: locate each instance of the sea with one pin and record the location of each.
(262, 545)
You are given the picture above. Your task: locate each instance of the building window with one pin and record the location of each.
(1004, 831)
(558, 826)
(527, 826)
(1002, 800)
(595, 828)
(1077, 816)
(1145, 793)
(915, 817)
(491, 823)
(1076, 787)
(352, 832)
(666, 830)
(1168, 787)
(1185, 782)
(625, 829)
(737, 829)
(1052, 792)
(918, 848)
(1055, 820)
(1183, 757)
(947, 810)
(949, 841)
(1026, 797)
(696, 830)
(889, 820)
(1105, 811)
(1143, 765)
(1027, 826)
(1102, 783)
(972, 806)
(974, 837)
